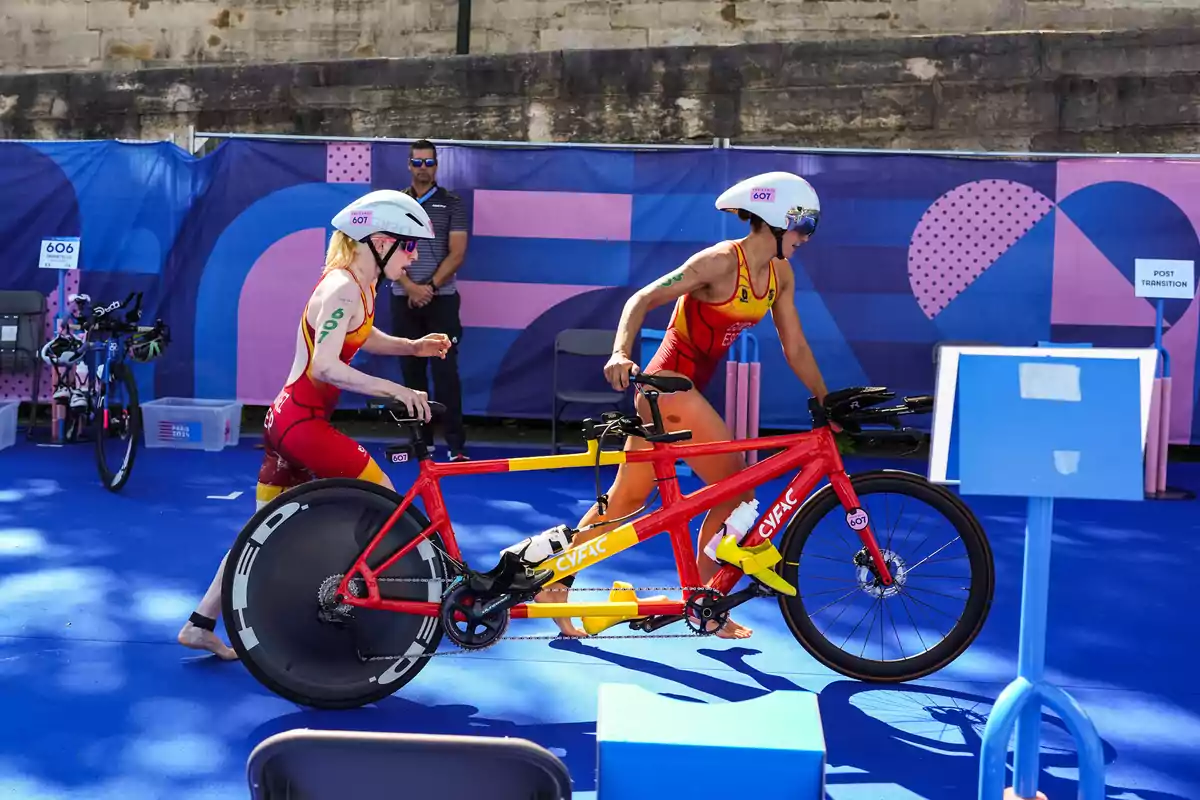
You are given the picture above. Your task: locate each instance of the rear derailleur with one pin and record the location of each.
(475, 607)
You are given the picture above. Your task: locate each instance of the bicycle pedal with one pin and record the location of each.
(757, 562)
(622, 592)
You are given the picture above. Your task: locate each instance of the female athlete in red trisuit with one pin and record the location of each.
(718, 293)
(376, 233)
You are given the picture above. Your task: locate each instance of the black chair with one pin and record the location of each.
(588, 342)
(336, 765)
(22, 334)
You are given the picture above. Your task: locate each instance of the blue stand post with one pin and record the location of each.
(1020, 704)
(1026, 427)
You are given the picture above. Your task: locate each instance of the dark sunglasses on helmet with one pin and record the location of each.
(803, 221)
(407, 245)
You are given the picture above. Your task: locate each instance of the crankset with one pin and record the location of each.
(703, 614)
(705, 611)
(473, 621)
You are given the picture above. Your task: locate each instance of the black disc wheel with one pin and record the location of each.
(937, 554)
(118, 425)
(281, 613)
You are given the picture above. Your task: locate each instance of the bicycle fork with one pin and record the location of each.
(785, 507)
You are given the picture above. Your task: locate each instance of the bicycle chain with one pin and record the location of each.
(458, 651)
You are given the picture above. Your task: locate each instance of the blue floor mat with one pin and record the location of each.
(100, 702)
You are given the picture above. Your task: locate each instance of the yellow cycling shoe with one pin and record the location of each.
(757, 562)
(622, 592)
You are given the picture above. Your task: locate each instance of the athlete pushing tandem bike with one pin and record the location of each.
(340, 591)
(376, 234)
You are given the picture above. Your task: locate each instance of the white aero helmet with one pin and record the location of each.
(385, 211)
(784, 201)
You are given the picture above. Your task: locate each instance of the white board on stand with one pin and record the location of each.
(943, 443)
(59, 252)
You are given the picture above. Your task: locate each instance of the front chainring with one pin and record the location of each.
(465, 623)
(699, 615)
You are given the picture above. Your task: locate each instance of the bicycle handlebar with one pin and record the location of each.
(398, 408)
(105, 319)
(851, 407)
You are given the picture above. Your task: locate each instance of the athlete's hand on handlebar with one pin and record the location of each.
(618, 369)
(415, 401)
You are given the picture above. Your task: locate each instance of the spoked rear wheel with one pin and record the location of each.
(940, 560)
(118, 424)
(280, 613)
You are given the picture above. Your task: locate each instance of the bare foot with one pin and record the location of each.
(732, 630)
(200, 639)
(557, 593)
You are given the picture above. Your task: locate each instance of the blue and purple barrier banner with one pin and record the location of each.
(912, 251)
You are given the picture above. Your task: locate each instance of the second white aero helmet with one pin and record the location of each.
(786, 202)
(385, 211)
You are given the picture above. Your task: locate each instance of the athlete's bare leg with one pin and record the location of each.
(691, 410)
(209, 608)
(680, 410)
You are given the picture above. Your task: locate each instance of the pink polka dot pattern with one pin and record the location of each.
(348, 162)
(964, 232)
(20, 387)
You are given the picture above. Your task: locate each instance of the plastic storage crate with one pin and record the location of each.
(191, 424)
(8, 422)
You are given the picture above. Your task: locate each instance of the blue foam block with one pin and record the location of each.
(652, 747)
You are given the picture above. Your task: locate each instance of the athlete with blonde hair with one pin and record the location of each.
(718, 293)
(375, 234)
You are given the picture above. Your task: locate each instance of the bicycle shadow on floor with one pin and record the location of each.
(922, 738)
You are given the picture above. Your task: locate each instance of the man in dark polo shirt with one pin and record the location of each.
(425, 300)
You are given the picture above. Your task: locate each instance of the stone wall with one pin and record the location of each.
(1094, 91)
(128, 34)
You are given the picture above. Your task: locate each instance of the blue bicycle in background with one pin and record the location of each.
(95, 386)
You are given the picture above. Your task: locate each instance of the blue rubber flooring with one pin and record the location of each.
(99, 702)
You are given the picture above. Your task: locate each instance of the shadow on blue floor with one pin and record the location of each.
(101, 703)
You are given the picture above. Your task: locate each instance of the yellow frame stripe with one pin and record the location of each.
(588, 459)
(585, 555)
(600, 609)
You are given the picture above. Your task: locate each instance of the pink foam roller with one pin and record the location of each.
(752, 408)
(1153, 437)
(743, 396)
(731, 395)
(1164, 433)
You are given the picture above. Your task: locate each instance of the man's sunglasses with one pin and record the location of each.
(428, 162)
